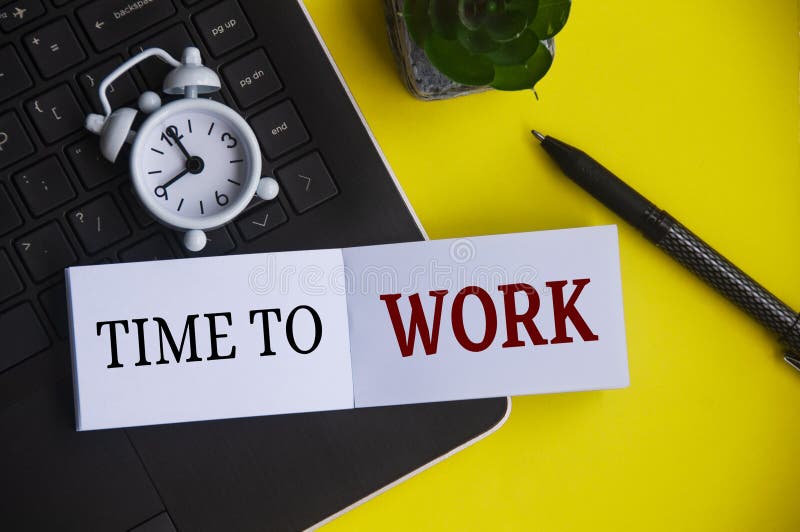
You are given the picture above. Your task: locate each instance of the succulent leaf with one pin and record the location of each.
(472, 13)
(515, 52)
(444, 17)
(477, 41)
(457, 63)
(506, 26)
(415, 13)
(529, 7)
(551, 17)
(525, 76)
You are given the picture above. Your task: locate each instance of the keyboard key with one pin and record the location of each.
(90, 165)
(155, 247)
(21, 12)
(23, 335)
(54, 48)
(44, 186)
(251, 78)
(307, 182)
(54, 302)
(261, 220)
(55, 113)
(99, 224)
(123, 91)
(108, 23)
(10, 284)
(279, 129)
(9, 218)
(45, 251)
(15, 144)
(135, 206)
(219, 243)
(223, 27)
(172, 40)
(13, 77)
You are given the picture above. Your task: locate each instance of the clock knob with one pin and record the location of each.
(148, 102)
(267, 189)
(194, 240)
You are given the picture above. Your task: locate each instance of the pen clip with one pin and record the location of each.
(792, 359)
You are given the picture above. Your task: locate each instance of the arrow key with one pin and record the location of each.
(219, 243)
(45, 251)
(307, 182)
(261, 220)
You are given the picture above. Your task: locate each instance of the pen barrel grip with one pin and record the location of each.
(690, 250)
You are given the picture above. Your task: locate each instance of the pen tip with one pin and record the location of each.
(537, 135)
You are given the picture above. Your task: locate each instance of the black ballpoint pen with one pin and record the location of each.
(680, 243)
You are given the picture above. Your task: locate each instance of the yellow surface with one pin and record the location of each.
(695, 103)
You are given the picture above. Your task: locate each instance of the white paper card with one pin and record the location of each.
(278, 333)
(247, 384)
(590, 353)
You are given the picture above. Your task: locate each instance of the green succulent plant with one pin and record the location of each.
(499, 43)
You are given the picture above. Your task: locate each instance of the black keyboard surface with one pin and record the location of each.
(62, 204)
(65, 204)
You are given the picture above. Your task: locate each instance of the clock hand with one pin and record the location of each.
(172, 132)
(180, 175)
(194, 164)
(161, 190)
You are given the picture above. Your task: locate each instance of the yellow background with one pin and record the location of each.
(695, 103)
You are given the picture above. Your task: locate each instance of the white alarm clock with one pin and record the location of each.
(195, 163)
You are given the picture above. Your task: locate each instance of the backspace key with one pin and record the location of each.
(108, 22)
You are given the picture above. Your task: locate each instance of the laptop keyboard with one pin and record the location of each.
(61, 203)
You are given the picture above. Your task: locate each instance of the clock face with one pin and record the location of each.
(194, 163)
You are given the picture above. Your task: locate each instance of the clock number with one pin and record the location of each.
(170, 132)
(161, 192)
(229, 137)
(222, 199)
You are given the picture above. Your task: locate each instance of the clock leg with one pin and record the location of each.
(194, 240)
(267, 189)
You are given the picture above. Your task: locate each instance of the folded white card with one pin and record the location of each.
(247, 335)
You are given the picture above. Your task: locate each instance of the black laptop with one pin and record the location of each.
(270, 473)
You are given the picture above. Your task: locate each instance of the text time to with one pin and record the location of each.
(217, 323)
